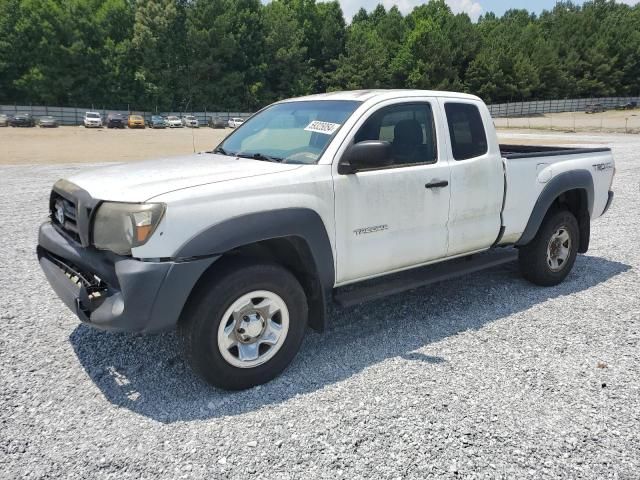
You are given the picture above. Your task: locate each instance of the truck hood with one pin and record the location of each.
(138, 182)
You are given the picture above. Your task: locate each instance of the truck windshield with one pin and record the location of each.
(290, 132)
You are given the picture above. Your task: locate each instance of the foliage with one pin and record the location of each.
(243, 54)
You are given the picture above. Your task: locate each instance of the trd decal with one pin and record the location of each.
(602, 166)
(374, 229)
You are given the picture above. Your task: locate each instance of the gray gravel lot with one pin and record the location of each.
(482, 377)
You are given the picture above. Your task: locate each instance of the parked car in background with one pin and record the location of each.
(626, 106)
(23, 120)
(174, 122)
(4, 120)
(217, 122)
(47, 122)
(595, 108)
(190, 121)
(92, 120)
(116, 120)
(157, 121)
(136, 121)
(235, 122)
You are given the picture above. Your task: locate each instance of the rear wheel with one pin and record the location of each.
(550, 256)
(245, 325)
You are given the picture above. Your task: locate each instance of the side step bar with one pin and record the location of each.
(419, 277)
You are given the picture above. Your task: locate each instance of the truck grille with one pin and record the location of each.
(70, 209)
(64, 214)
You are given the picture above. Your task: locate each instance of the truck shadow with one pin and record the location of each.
(147, 374)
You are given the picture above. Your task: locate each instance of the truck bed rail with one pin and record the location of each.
(513, 152)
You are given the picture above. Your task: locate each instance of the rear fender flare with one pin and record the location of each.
(571, 180)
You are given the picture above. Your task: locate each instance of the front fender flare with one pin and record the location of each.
(239, 231)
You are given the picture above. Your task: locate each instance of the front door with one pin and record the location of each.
(394, 217)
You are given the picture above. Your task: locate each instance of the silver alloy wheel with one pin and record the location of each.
(253, 329)
(558, 249)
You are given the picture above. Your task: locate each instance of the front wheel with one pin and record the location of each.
(550, 256)
(244, 325)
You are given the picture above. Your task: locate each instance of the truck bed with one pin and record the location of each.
(513, 152)
(530, 168)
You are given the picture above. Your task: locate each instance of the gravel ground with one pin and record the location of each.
(482, 377)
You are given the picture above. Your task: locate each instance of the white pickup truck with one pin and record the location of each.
(312, 199)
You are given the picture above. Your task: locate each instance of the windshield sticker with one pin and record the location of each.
(322, 127)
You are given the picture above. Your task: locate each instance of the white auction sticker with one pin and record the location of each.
(322, 127)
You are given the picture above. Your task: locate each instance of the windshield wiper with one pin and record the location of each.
(221, 151)
(260, 156)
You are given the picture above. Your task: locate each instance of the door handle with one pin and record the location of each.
(437, 184)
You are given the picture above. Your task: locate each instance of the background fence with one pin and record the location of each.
(541, 107)
(73, 116)
(570, 115)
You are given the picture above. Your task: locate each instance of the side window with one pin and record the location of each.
(410, 130)
(466, 130)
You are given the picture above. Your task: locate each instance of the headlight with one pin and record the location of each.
(121, 226)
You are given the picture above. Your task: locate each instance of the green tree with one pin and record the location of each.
(285, 72)
(10, 13)
(242, 54)
(225, 67)
(365, 62)
(157, 71)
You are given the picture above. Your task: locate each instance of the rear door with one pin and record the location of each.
(388, 218)
(477, 177)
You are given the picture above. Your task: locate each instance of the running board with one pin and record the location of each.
(419, 277)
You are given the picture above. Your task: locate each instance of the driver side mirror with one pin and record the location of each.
(365, 155)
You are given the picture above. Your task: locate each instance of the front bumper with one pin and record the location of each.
(112, 292)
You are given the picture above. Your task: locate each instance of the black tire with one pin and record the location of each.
(201, 319)
(534, 264)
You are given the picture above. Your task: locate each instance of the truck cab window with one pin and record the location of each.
(468, 138)
(410, 130)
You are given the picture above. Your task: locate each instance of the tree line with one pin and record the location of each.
(243, 54)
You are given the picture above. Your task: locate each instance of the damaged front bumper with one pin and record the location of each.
(114, 292)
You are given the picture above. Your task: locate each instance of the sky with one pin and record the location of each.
(474, 8)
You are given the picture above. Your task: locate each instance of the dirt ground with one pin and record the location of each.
(28, 146)
(23, 146)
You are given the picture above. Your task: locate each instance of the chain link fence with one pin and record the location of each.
(74, 116)
(602, 114)
(541, 107)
